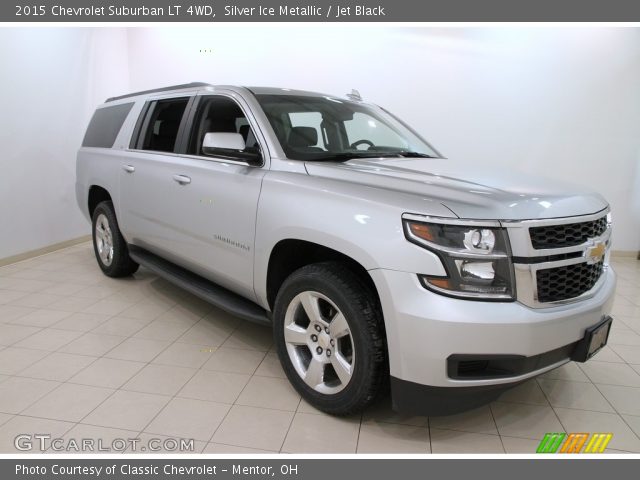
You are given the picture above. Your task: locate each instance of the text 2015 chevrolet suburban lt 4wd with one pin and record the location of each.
(378, 262)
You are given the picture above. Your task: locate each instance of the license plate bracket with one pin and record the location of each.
(595, 338)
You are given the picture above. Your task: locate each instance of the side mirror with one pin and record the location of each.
(222, 141)
(231, 145)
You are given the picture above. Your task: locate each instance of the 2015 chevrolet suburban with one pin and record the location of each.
(378, 263)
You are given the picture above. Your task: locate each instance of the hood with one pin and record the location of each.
(469, 192)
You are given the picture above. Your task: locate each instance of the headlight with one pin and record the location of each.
(476, 258)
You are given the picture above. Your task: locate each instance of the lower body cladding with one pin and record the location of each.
(447, 355)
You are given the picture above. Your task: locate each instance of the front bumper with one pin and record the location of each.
(425, 329)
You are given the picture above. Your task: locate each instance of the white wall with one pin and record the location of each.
(561, 102)
(51, 81)
(564, 102)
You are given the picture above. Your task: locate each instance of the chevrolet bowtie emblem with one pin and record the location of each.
(595, 254)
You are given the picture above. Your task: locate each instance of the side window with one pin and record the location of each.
(162, 123)
(220, 115)
(105, 125)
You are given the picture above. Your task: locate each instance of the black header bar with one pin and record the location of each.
(210, 11)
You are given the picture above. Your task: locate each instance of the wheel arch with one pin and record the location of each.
(288, 255)
(96, 195)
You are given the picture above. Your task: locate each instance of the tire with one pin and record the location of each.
(109, 246)
(344, 368)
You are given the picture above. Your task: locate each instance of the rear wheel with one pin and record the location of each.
(109, 245)
(329, 337)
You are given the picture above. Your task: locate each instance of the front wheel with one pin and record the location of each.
(329, 337)
(109, 245)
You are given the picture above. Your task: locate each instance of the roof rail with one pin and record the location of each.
(163, 89)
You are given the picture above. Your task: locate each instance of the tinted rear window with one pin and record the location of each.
(105, 125)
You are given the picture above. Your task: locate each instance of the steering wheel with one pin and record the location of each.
(362, 142)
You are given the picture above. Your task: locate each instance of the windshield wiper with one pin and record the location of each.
(344, 156)
(415, 155)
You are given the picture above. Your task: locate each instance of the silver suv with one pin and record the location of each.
(379, 263)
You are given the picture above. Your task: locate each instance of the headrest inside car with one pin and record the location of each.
(303, 137)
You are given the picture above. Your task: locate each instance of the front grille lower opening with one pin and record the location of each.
(484, 367)
(470, 368)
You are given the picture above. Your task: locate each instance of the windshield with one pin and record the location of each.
(326, 128)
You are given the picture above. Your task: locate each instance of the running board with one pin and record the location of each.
(201, 287)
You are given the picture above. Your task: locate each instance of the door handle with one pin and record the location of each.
(129, 168)
(182, 179)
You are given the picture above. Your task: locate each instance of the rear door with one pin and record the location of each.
(147, 189)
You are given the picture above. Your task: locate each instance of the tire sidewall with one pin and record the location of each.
(106, 209)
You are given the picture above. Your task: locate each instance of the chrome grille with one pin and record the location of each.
(570, 281)
(568, 235)
(558, 260)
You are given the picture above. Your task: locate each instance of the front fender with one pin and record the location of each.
(362, 223)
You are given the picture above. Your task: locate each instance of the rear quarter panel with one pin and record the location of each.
(102, 166)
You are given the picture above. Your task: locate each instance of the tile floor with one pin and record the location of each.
(85, 356)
